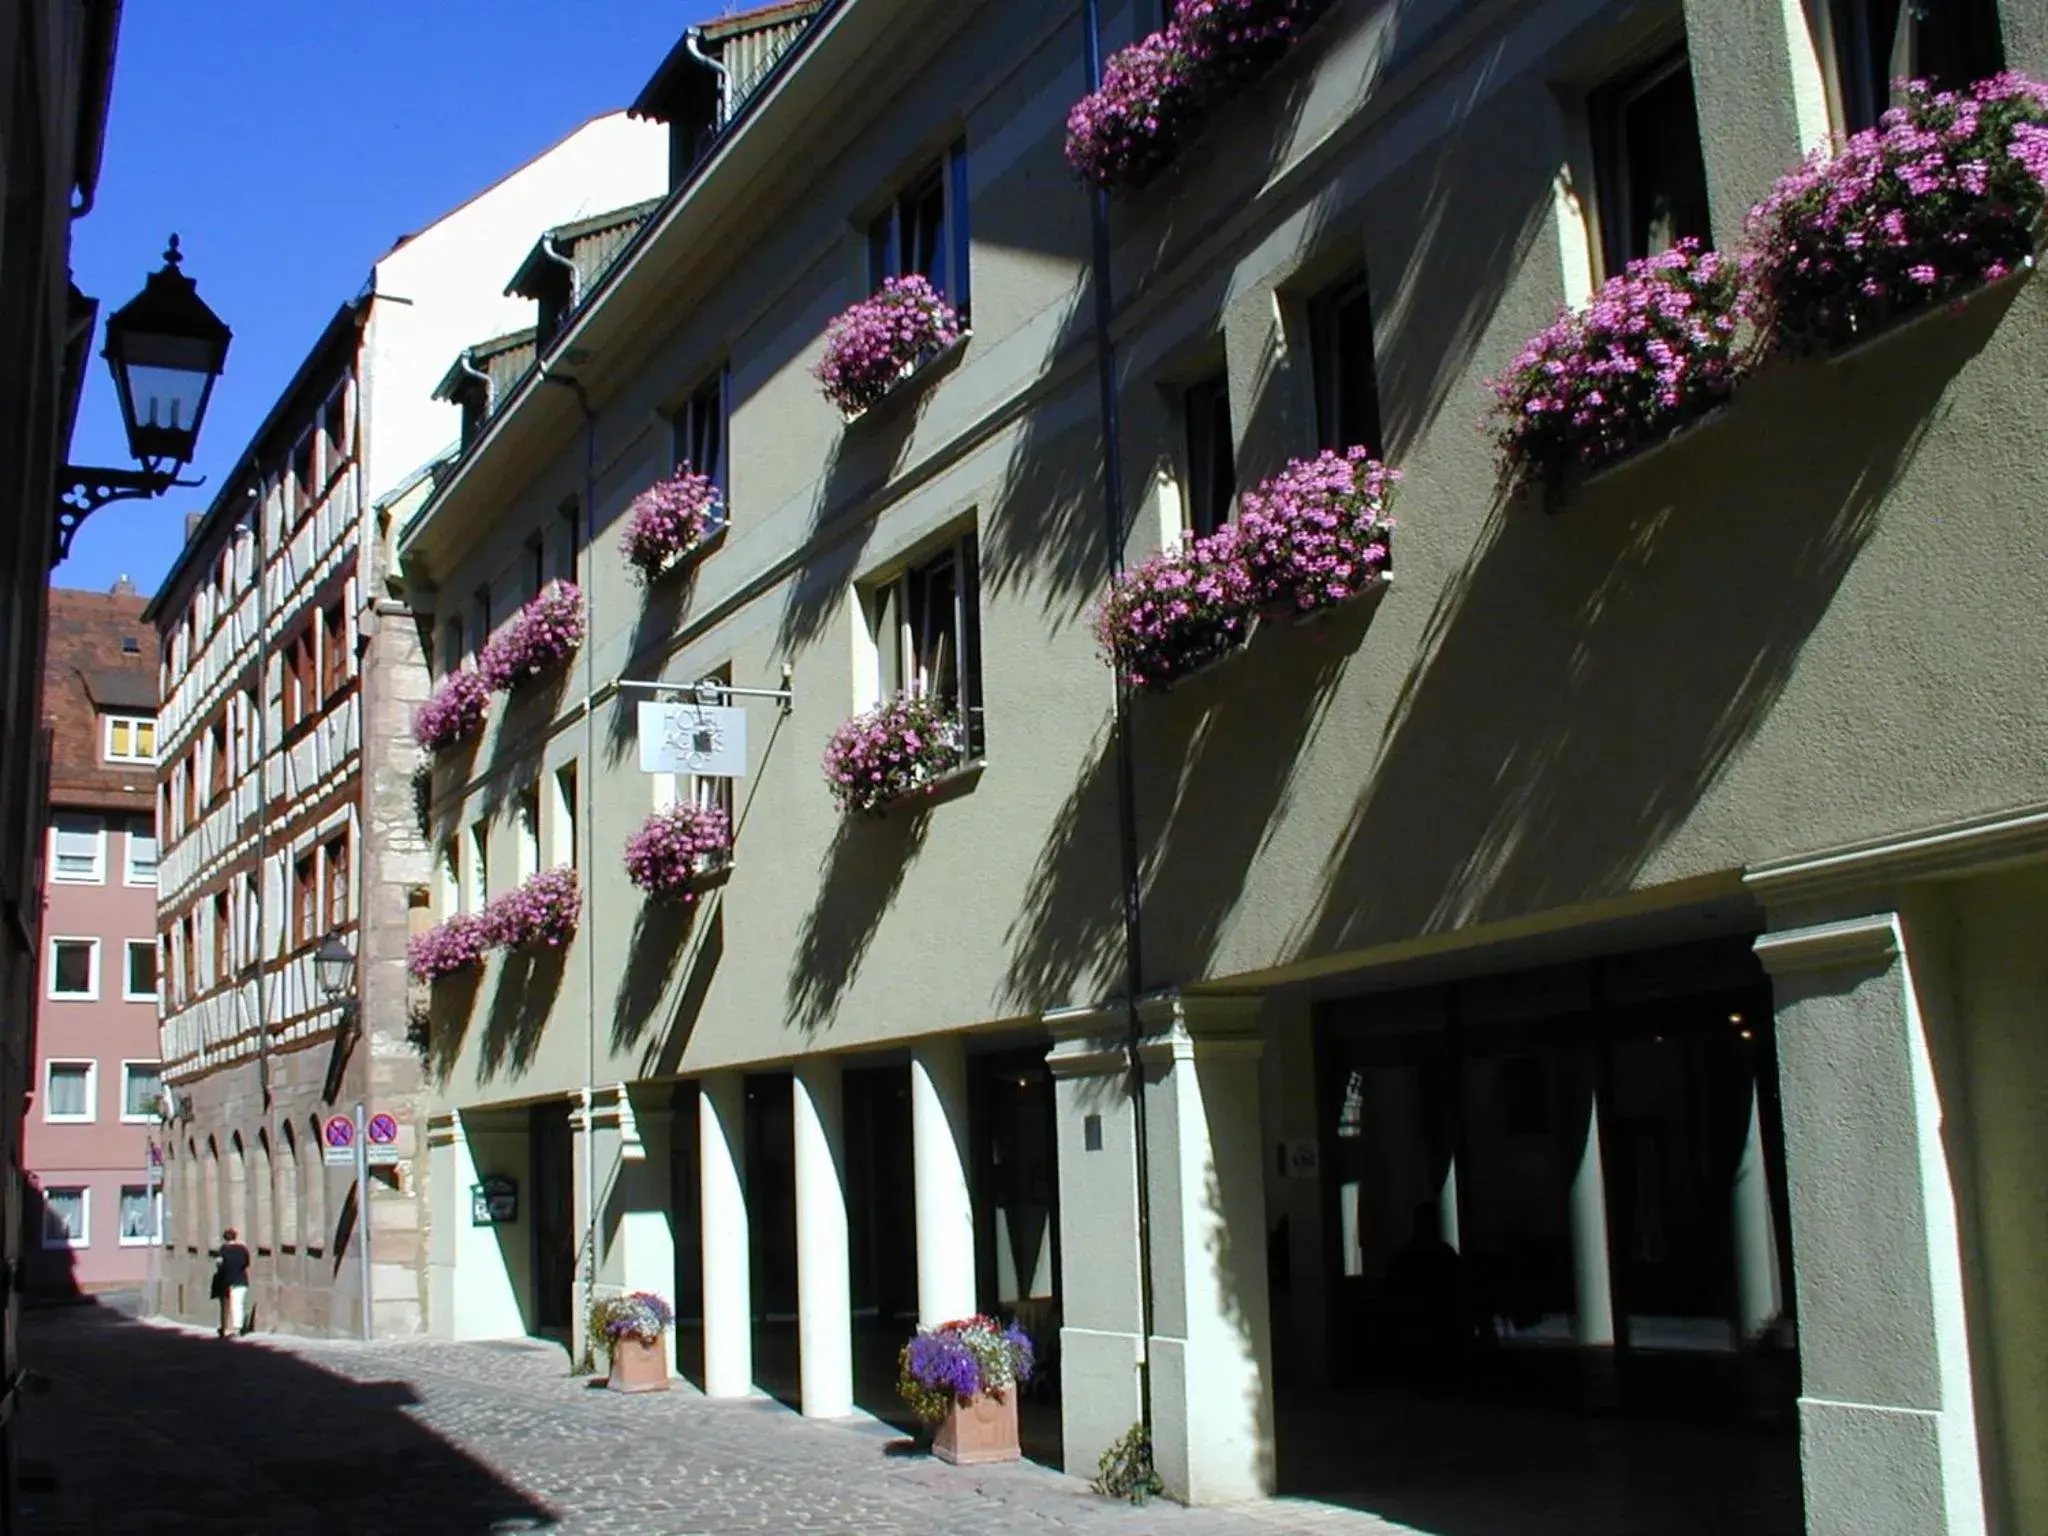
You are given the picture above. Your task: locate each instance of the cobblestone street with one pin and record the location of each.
(139, 1427)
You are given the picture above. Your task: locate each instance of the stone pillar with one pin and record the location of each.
(1592, 1281)
(1209, 1353)
(945, 1206)
(1888, 1430)
(728, 1277)
(1759, 1292)
(824, 1297)
(642, 1243)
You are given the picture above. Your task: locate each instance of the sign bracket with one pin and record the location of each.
(711, 692)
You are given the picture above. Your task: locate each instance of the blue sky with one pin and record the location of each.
(289, 146)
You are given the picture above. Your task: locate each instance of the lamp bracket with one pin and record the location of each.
(87, 489)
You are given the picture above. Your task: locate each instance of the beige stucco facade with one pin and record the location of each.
(1808, 626)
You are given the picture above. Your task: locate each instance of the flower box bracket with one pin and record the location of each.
(1559, 494)
(914, 379)
(939, 788)
(1923, 315)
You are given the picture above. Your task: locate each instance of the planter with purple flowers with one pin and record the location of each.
(1181, 611)
(671, 522)
(961, 1379)
(541, 914)
(540, 638)
(1655, 350)
(454, 714)
(884, 340)
(1157, 95)
(904, 746)
(672, 856)
(1944, 196)
(633, 1331)
(452, 947)
(1319, 533)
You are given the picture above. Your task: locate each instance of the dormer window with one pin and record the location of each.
(556, 297)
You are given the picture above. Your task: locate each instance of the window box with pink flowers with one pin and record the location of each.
(1944, 197)
(449, 948)
(1656, 349)
(678, 851)
(904, 329)
(454, 714)
(670, 523)
(539, 640)
(910, 745)
(1181, 611)
(540, 914)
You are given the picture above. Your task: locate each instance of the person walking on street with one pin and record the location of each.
(231, 1284)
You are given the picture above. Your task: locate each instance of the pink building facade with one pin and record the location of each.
(93, 1112)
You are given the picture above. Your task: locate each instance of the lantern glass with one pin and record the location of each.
(165, 349)
(334, 964)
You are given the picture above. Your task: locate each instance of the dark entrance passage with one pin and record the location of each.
(1013, 1132)
(771, 1232)
(554, 1218)
(1552, 1198)
(882, 1233)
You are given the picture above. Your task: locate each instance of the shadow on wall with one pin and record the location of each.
(237, 1436)
(663, 603)
(1586, 678)
(661, 934)
(861, 874)
(527, 984)
(451, 1004)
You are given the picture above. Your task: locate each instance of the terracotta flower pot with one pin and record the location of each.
(982, 1429)
(640, 1367)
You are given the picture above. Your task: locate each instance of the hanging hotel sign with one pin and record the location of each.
(693, 738)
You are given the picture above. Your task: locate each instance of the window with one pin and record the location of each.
(139, 984)
(333, 650)
(560, 564)
(139, 1215)
(75, 970)
(700, 431)
(68, 1096)
(188, 957)
(925, 230)
(334, 423)
(302, 474)
(449, 897)
(67, 1216)
(217, 772)
(1347, 377)
(453, 644)
(526, 815)
(336, 862)
(142, 1090)
(536, 563)
(130, 739)
(131, 645)
(140, 865)
(483, 614)
(223, 940)
(479, 865)
(1954, 43)
(564, 841)
(305, 910)
(78, 849)
(302, 702)
(1652, 176)
(252, 916)
(928, 633)
(1211, 461)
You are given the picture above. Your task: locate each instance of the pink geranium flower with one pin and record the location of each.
(676, 848)
(876, 342)
(898, 747)
(449, 947)
(541, 913)
(540, 637)
(455, 713)
(670, 519)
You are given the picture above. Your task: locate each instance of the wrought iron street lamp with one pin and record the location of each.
(165, 349)
(334, 963)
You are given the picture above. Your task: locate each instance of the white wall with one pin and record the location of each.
(442, 289)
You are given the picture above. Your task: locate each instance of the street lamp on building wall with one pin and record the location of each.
(165, 349)
(334, 965)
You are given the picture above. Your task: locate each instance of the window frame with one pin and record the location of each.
(900, 642)
(1606, 109)
(128, 948)
(706, 413)
(1328, 311)
(305, 898)
(84, 1193)
(127, 1076)
(154, 1197)
(565, 836)
(129, 838)
(1199, 403)
(1862, 88)
(99, 858)
(92, 992)
(135, 725)
(92, 1090)
(952, 254)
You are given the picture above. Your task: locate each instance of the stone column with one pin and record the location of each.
(640, 1205)
(1888, 1429)
(824, 1296)
(1209, 1353)
(945, 1206)
(1759, 1292)
(1592, 1281)
(728, 1275)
